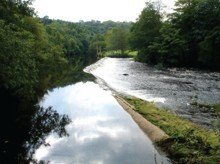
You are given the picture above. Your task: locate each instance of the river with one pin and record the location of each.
(101, 131)
(174, 89)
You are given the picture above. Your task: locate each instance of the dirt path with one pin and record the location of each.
(153, 132)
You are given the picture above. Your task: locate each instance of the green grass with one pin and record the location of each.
(217, 108)
(188, 142)
(132, 54)
(117, 54)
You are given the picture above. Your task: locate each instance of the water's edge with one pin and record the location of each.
(174, 89)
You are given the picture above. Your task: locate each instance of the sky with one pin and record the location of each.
(86, 10)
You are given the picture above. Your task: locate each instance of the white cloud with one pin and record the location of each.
(75, 10)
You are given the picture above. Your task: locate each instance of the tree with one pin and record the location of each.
(198, 21)
(170, 49)
(145, 30)
(207, 16)
(18, 68)
(116, 39)
(209, 49)
(190, 37)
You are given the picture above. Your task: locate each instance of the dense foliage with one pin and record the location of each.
(108, 36)
(101, 27)
(145, 31)
(116, 39)
(190, 36)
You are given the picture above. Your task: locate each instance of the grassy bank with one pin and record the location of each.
(117, 54)
(188, 142)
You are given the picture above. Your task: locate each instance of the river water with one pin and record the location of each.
(101, 132)
(174, 89)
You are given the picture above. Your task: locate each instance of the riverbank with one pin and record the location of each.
(184, 141)
(153, 132)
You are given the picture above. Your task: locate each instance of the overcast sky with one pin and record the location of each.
(86, 10)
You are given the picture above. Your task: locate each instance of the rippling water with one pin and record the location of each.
(101, 132)
(174, 89)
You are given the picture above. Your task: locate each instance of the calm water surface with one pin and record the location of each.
(101, 132)
(174, 89)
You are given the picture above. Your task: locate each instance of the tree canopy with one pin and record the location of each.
(188, 37)
(116, 39)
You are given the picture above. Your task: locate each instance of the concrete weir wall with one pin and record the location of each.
(153, 132)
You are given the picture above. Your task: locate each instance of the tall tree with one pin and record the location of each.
(116, 39)
(198, 21)
(145, 30)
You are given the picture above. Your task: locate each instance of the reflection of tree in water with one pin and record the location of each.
(23, 131)
(23, 128)
(44, 122)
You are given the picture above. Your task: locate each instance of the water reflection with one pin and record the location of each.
(22, 136)
(100, 131)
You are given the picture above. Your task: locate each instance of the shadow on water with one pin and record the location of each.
(24, 125)
(24, 129)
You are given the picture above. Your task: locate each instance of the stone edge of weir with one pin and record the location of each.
(153, 132)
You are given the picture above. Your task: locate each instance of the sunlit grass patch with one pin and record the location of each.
(118, 54)
(188, 142)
